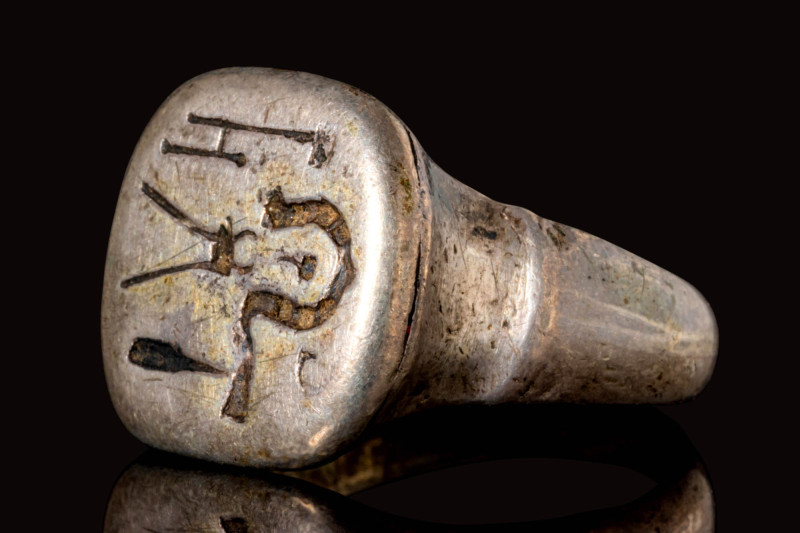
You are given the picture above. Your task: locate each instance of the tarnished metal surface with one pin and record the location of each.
(519, 308)
(286, 264)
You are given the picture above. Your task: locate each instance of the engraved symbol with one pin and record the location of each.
(318, 139)
(221, 262)
(157, 355)
(303, 357)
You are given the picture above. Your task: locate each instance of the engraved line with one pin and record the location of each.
(300, 136)
(174, 212)
(176, 255)
(222, 260)
(318, 140)
(303, 357)
(169, 148)
(147, 276)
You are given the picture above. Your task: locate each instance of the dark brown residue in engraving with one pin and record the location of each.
(238, 158)
(558, 237)
(318, 155)
(306, 267)
(157, 355)
(302, 359)
(222, 240)
(283, 309)
(483, 232)
(318, 139)
(295, 135)
(238, 400)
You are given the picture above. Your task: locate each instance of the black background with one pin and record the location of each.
(652, 138)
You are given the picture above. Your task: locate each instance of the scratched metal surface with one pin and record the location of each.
(518, 308)
(339, 276)
(310, 388)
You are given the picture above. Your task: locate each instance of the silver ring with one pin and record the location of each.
(287, 265)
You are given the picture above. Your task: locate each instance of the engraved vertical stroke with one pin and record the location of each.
(279, 214)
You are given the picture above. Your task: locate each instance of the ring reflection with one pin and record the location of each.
(162, 492)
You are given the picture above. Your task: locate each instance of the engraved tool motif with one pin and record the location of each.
(317, 139)
(154, 354)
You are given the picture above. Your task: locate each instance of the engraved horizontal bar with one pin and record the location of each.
(169, 148)
(301, 136)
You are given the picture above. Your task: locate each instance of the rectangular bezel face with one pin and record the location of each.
(262, 226)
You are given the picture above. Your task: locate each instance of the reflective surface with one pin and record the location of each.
(162, 492)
